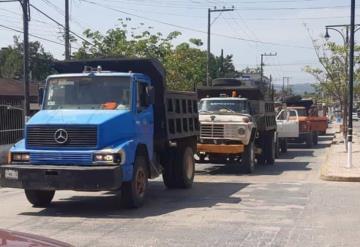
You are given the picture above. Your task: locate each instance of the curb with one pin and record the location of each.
(324, 169)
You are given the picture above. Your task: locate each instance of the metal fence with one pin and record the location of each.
(11, 121)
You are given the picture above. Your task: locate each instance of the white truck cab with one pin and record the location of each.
(287, 122)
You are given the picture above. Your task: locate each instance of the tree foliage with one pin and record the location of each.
(11, 64)
(185, 63)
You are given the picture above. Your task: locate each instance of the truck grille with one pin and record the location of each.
(60, 158)
(80, 137)
(220, 131)
(212, 130)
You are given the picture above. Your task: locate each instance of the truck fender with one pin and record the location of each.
(153, 168)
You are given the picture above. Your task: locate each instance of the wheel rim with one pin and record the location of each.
(189, 165)
(140, 182)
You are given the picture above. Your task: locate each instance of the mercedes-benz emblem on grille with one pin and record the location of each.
(212, 117)
(61, 136)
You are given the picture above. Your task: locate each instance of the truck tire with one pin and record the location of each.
(283, 145)
(270, 149)
(277, 148)
(133, 193)
(180, 171)
(315, 138)
(247, 164)
(309, 140)
(40, 198)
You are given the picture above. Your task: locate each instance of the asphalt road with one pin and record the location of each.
(281, 205)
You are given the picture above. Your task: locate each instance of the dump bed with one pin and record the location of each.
(168, 125)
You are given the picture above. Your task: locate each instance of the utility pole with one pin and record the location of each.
(67, 30)
(351, 85)
(283, 86)
(222, 63)
(208, 39)
(26, 19)
(262, 62)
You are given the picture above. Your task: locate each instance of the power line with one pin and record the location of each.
(196, 30)
(33, 35)
(52, 19)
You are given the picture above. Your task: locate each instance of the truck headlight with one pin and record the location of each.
(19, 157)
(241, 131)
(109, 158)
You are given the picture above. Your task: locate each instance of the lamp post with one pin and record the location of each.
(349, 58)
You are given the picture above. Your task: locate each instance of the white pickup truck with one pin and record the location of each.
(287, 122)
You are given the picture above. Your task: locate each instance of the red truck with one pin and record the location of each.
(311, 124)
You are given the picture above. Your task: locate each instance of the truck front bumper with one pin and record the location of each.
(50, 177)
(220, 148)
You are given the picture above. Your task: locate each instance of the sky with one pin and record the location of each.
(254, 27)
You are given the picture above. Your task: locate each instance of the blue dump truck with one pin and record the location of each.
(105, 125)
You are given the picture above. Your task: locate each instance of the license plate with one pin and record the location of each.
(11, 174)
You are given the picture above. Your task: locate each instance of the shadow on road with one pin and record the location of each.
(160, 201)
(232, 169)
(292, 154)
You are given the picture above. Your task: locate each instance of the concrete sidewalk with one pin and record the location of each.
(334, 168)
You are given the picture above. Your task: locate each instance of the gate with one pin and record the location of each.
(11, 122)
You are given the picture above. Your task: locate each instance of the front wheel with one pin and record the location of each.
(248, 158)
(40, 198)
(133, 193)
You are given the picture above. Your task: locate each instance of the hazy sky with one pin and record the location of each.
(279, 25)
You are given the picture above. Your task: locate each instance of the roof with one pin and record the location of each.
(11, 87)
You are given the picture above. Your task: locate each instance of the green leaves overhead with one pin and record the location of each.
(184, 62)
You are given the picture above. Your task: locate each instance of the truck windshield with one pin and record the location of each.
(97, 92)
(225, 106)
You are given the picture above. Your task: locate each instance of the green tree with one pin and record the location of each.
(11, 61)
(185, 63)
(332, 76)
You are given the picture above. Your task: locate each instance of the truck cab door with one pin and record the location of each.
(287, 123)
(293, 123)
(144, 118)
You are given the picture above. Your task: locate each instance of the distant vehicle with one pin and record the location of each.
(106, 125)
(237, 123)
(19, 239)
(311, 125)
(287, 122)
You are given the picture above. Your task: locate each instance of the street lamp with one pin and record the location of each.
(350, 69)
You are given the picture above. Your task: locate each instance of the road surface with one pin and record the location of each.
(281, 205)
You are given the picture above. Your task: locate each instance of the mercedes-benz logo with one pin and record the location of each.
(212, 117)
(61, 136)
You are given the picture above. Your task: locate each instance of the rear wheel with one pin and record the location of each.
(309, 140)
(40, 198)
(315, 138)
(133, 193)
(283, 145)
(180, 171)
(270, 148)
(248, 158)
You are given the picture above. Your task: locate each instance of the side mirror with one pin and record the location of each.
(41, 95)
(150, 95)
